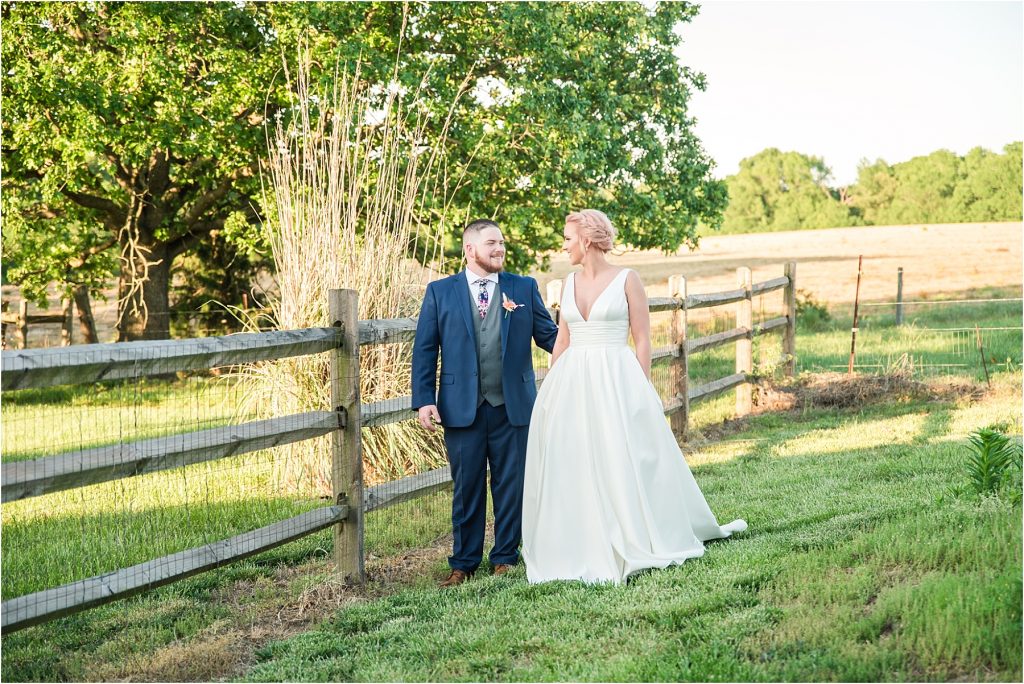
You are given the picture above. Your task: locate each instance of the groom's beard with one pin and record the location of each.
(487, 265)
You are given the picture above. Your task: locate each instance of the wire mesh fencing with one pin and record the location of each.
(130, 466)
(407, 496)
(44, 329)
(115, 486)
(970, 338)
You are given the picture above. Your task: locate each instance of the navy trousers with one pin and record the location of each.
(491, 439)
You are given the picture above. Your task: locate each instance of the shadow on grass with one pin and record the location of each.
(270, 595)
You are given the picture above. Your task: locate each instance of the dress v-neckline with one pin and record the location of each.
(586, 319)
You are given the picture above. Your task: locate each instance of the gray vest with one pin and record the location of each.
(488, 347)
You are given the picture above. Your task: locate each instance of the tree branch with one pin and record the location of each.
(93, 202)
(184, 243)
(159, 173)
(124, 178)
(79, 261)
(207, 200)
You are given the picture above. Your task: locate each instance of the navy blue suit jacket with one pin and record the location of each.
(446, 325)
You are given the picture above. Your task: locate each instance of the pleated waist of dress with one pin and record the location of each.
(598, 334)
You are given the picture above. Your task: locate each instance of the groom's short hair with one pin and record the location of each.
(477, 226)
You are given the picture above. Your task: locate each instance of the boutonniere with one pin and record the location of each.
(508, 304)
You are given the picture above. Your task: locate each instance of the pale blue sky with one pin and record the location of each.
(845, 80)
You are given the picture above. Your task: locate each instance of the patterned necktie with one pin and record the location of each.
(482, 298)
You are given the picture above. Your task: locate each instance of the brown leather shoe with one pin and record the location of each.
(456, 578)
(501, 569)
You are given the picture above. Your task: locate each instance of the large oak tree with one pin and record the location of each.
(134, 129)
(132, 125)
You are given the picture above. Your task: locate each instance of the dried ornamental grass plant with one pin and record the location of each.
(347, 186)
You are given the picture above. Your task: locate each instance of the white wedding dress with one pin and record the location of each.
(607, 492)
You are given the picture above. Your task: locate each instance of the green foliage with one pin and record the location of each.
(789, 191)
(145, 121)
(777, 190)
(925, 187)
(810, 312)
(558, 106)
(992, 460)
(575, 105)
(941, 188)
(990, 189)
(130, 130)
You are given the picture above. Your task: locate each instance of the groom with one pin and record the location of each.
(482, 321)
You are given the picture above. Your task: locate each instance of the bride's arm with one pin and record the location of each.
(561, 341)
(639, 320)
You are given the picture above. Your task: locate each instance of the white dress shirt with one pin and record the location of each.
(492, 282)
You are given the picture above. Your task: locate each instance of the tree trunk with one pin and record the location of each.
(144, 293)
(86, 323)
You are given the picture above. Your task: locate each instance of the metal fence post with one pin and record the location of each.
(744, 345)
(346, 444)
(680, 366)
(3, 322)
(856, 307)
(789, 334)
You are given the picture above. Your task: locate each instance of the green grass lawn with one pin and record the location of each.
(859, 564)
(44, 422)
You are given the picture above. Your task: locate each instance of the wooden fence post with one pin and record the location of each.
(554, 292)
(680, 367)
(555, 298)
(899, 296)
(23, 324)
(346, 451)
(744, 345)
(789, 334)
(68, 311)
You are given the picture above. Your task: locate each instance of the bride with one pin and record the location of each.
(607, 492)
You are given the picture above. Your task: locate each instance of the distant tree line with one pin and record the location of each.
(776, 190)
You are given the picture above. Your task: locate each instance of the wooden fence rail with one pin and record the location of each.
(89, 363)
(23, 479)
(21, 321)
(43, 606)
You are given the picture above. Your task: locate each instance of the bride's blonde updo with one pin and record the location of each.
(592, 225)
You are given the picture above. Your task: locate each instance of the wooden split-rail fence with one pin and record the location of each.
(22, 319)
(35, 368)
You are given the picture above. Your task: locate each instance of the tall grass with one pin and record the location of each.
(354, 191)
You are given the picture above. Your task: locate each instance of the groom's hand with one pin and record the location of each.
(428, 415)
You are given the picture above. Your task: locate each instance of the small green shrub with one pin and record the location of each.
(811, 313)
